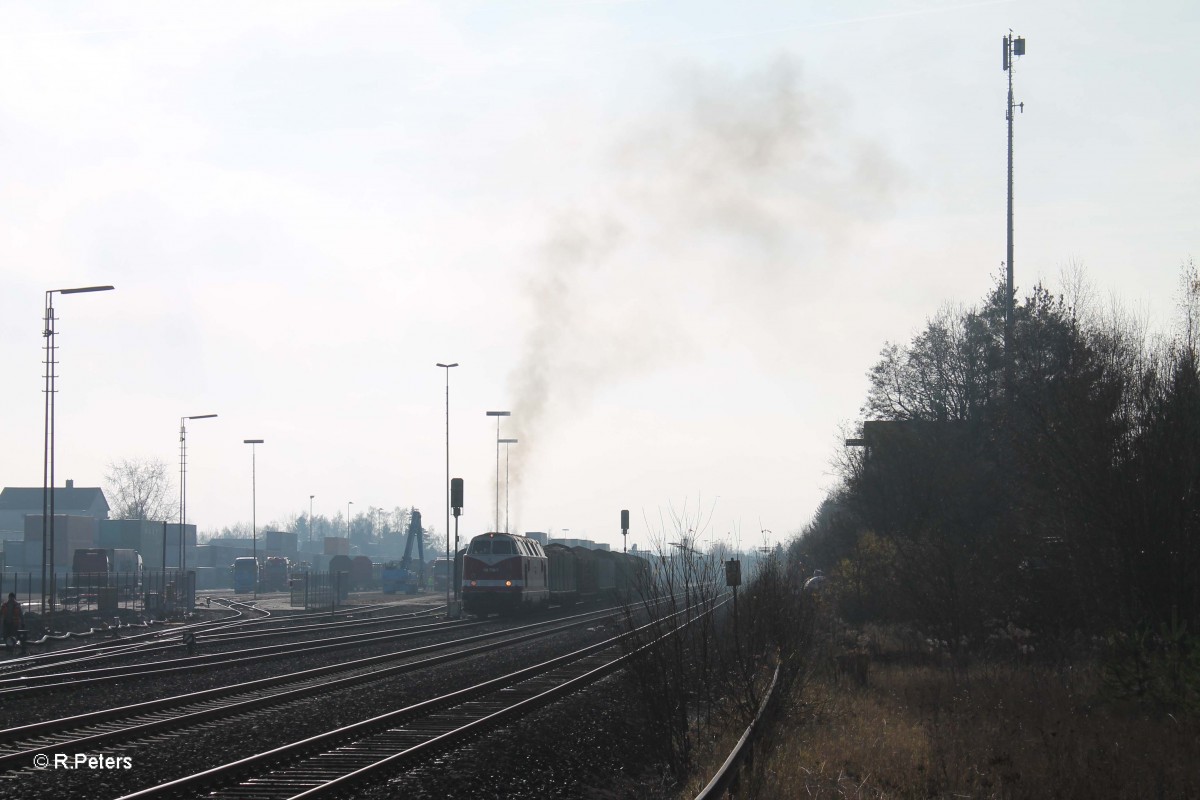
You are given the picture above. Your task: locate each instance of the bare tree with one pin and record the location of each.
(141, 488)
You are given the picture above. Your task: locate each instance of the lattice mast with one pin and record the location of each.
(1014, 46)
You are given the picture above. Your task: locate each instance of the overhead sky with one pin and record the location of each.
(670, 237)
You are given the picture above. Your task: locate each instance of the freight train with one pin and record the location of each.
(506, 573)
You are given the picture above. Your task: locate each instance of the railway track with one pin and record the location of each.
(175, 715)
(335, 761)
(127, 638)
(23, 686)
(119, 639)
(165, 642)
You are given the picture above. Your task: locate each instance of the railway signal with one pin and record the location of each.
(456, 503)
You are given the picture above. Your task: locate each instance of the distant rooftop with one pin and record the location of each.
(66, 499)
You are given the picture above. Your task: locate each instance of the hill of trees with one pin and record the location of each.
(1055, 487)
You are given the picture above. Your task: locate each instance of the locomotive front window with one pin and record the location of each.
(481, 547)
(502, 547)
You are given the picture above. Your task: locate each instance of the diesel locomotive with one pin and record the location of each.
(505, 573)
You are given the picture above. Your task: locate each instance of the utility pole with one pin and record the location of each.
(506, 443)
(447, 367)
(498, 415)
(254, 503)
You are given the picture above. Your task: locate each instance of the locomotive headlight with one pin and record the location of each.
(508, 583)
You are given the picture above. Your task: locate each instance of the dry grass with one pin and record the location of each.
(711, 751)
(998, 731)
(715, 740)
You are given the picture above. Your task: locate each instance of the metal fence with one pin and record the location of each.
(151, 591)
(314, 591)
(24, 584)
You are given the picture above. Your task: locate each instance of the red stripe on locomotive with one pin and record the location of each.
(475, 568)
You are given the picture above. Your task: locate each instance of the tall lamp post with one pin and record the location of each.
(183, 489)
(498, 415)
(348, 504)
(448, 367)
(50, 389)
(310, 528)
(506, 443)
(254, 503)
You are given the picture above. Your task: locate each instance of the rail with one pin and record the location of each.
(727, 775)
(20, 744)
(330, 762)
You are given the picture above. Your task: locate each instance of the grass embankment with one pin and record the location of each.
(1012, 730)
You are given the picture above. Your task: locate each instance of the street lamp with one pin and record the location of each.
(310, 536)
(498, 415)
(183, 489)
(254, 504)
(506, 443)
(447, 367)
(50, 390)
(348, 504)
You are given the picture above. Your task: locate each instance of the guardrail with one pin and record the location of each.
(727, 775)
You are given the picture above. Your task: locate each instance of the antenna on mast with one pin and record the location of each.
(1014, 46)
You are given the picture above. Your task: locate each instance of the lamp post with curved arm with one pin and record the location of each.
(183, 490)
(51, 347)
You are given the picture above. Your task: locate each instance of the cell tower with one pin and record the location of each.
(1014, 46)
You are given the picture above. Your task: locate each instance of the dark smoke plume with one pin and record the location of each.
(712, 210)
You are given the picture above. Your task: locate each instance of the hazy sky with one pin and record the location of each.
(670, 237)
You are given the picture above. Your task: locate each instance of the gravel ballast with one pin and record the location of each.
(172, 756)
